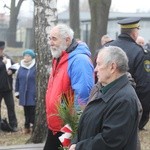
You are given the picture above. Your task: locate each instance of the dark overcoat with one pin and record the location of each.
(5, 79)
(110, 120)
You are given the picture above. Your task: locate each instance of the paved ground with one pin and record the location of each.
(23, 147)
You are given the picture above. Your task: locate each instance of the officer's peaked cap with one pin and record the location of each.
(132, 22)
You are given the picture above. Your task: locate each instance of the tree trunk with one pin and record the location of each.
(45, 18)
(99, 18)
(75, 17)
(11, 33)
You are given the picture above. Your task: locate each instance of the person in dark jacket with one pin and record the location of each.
(138, 63)
(110, 119)
(25, 88)
(6, 87)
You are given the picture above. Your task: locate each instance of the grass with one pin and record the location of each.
(14, 138)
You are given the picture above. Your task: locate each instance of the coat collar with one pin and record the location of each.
(72, 47)
(126, 36)
(122, 81)
(22, 64)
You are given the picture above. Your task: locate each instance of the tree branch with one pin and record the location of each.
(18, 6)
(5, 6)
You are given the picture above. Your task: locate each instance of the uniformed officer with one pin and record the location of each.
(138, 66)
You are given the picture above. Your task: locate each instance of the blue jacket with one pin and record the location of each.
(26, 84)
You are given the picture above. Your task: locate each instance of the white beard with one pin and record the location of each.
(57, 51)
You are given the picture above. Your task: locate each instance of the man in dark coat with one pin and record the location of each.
(139, 63)
(110, 120)
(6, 87)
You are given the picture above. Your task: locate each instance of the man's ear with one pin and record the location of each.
(113, 67)
(68, 40)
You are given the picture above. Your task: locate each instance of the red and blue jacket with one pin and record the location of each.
(72, 71)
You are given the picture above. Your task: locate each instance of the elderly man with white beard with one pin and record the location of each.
(72, 70)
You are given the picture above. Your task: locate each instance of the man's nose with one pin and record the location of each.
(51, 43)
(95, 69)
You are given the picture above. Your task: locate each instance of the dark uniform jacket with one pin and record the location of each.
(110, 120)
(5, 79)
(137, 66)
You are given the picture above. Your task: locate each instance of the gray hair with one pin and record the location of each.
(105, 38)
(117, 55)
(65, 31)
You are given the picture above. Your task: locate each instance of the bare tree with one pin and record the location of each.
(45, 18)
(75, 17)
(99, 18)
(14, 11)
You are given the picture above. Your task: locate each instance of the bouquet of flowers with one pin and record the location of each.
(69, 117)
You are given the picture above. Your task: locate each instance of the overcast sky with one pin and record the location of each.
(118, 5)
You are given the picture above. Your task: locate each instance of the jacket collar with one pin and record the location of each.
(122, 81)
(22, 64)
(126, 36)
(73, 45)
